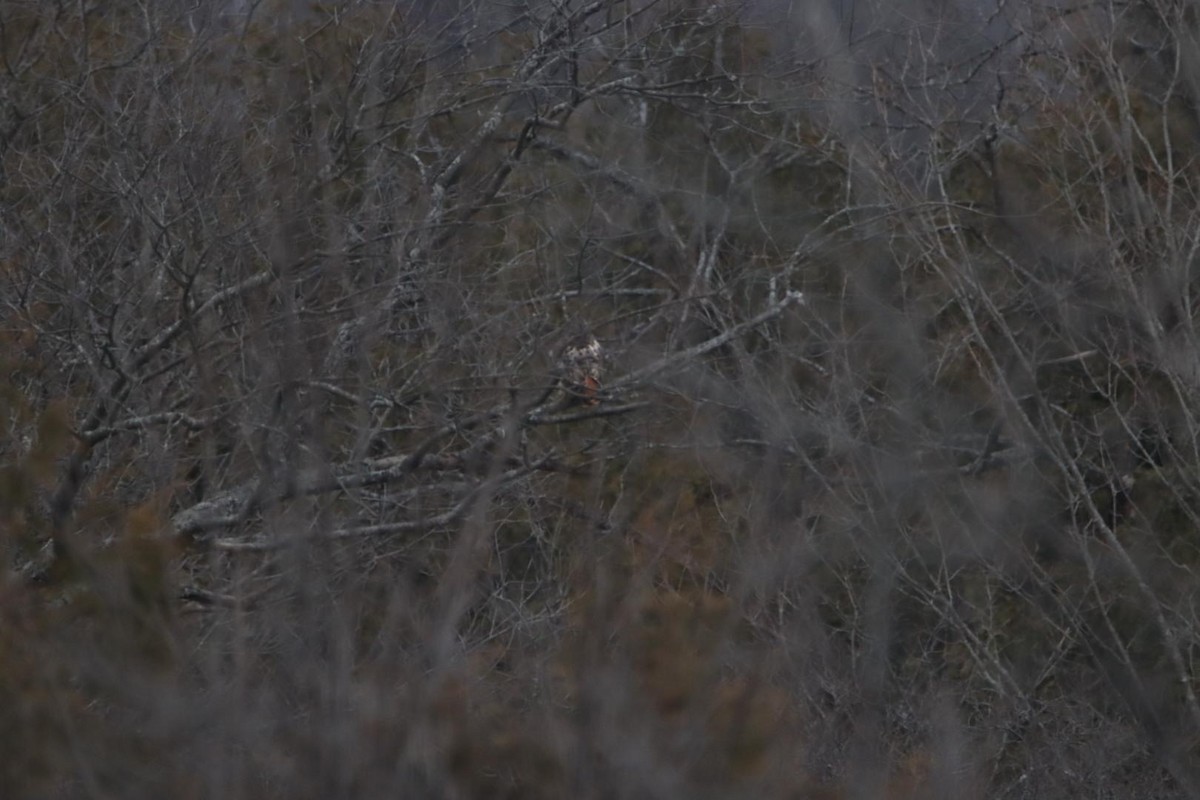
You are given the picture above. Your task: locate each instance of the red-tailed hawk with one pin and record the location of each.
(580, 367)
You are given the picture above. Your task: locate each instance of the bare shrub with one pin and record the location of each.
(887, 488)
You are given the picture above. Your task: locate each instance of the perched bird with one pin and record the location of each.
(579, 368)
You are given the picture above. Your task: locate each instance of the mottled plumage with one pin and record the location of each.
(580, 367)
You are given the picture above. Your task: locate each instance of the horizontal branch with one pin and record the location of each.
(538, 417)
(680, 357)
(168, 334)
(448, 517)
(236, 505)
(139, 423)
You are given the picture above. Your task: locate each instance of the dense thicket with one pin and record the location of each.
(892, 488)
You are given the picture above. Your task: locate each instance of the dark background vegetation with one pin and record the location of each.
(288, 509)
